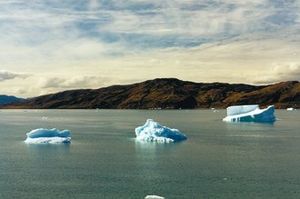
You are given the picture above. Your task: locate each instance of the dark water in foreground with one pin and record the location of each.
(218, 160)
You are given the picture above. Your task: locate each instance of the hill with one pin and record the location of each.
(4, 99)
(168, 93)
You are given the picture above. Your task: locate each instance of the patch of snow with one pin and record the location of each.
(152, 131)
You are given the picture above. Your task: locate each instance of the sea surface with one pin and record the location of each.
(219, 160)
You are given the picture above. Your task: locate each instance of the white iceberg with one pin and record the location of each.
(154, 197)
(290, 109)
(250, 113)
(152, 131)
(48, 136)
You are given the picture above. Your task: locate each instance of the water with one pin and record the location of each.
(219, 160)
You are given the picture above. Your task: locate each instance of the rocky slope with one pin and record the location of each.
(169, 93)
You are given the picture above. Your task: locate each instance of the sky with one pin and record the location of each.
(48, 46)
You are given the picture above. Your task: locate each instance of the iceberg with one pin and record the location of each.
(154, 197)
(250, 113)
(290, 109)
(152, 131)
(48, 136)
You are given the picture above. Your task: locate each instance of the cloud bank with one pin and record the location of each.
(5, 75)
(94, 43)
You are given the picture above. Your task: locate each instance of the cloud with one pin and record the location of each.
(148, 22)
(281, 72)
(287, 71)
(5, 75)
(94, 4)
(74, 82)
(140, 23)
(123, 41)
(193, 18)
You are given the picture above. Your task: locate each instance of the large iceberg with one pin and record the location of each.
(152, 131)
(250, 113)
(48, 136)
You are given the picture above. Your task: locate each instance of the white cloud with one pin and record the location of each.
(59, 83)
(207, 20)
(250, 59)
(94, 4)
(85, 40)
(5, 75)
(281, 72)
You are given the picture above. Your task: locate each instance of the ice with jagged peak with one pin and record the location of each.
(250, 113)
(154, 197)
(48, 136)
(152, 131)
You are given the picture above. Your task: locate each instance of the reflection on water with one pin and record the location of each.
(249, 124)
(48, 152)
(153, 150)
(48, 148)
(153, 147)
(219, 160)
(151, 160)
(250, 130)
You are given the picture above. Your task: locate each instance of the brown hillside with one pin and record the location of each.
(169, 93)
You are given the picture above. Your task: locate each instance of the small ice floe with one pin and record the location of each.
(48, 136)
(214, 110)
(154, 197)
(290, 109)
(44, 118)
(250, 113)
(152, 131)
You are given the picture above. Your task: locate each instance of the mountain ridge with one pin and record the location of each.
(7, 99)
(168, 93)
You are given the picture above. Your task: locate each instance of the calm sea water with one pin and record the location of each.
(219, 160)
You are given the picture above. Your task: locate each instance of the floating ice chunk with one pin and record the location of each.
(290, 109)
(44, 118)
(154, 132)
(214, 110)
(250, 113)
(48, 136)
(48, 140)
(154, 197)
